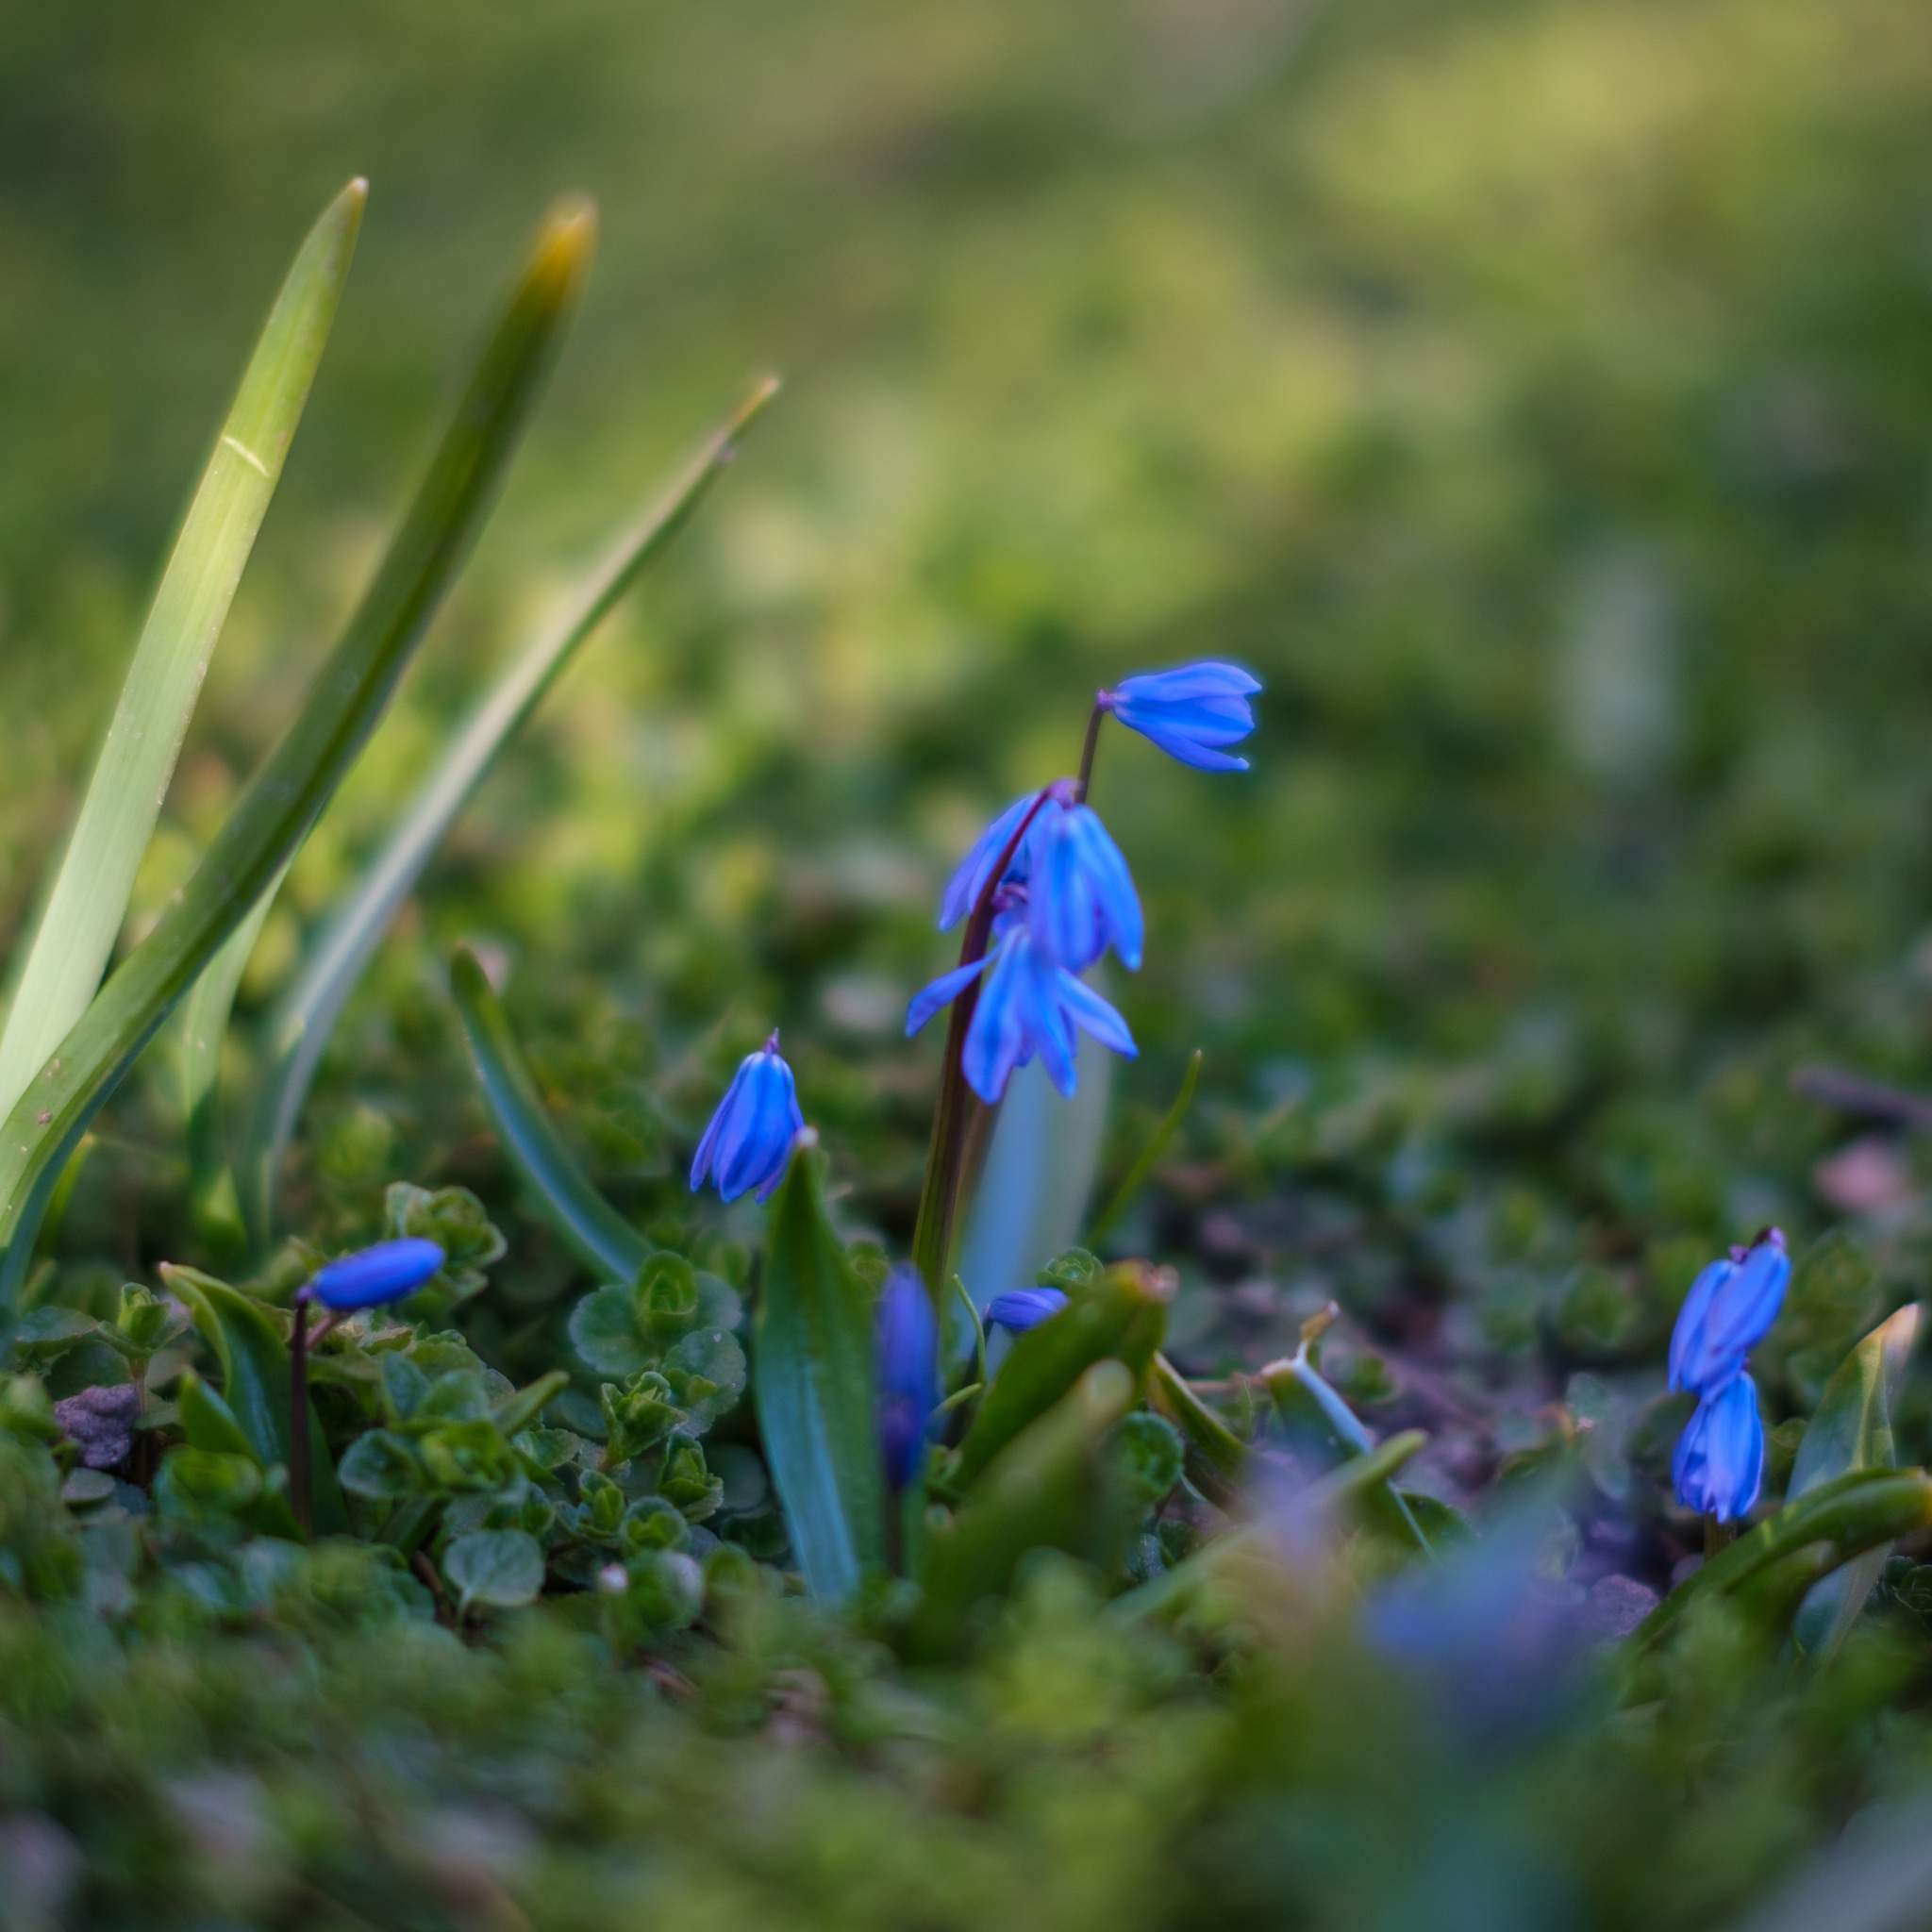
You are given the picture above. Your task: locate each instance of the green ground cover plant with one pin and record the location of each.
(1238, 1491)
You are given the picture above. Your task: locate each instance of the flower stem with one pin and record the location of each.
(299, 1489)
(1718, 1536)
(938, 1197)
(1087, 750)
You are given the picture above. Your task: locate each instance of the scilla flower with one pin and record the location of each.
(750, 1138)
(1029, 1004)
(964, 887)
(1728, 1312)
(908, 1372)
(1190, 712)
(1082, 894)
(1719, 1460)
(385, 1273)
(1021, 1308)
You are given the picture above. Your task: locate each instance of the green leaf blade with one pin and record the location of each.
(301, 775)
(812, 1349)
(596, 1232)
(308, 1014)
(89, 896)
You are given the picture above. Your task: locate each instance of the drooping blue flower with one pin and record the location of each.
(385, 1273)
(750, 1138)
(1190, 712)
(1719, 1460)
(908, 1372)
(1081, 895)
(1021, 1308)
(1029, 1004)
(1728, 1312)
(964, 887)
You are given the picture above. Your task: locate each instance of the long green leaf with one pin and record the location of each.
(303, 771)
(204, 1028)
(1851, 1428)
(812, 1357)
(305, 1017)
(88, 900)
(255, 1384)
(594, 1231)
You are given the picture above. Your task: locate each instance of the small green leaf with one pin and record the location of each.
(1150, 1454)
(254, 1382)
(686, 1482)
(512, 1413)
(653, 1523)
(1121, 1317)
(620, 1330)
(1217, 1457)
(196, 1483)
(637, 1416)
(457, 1223)
(503, 1568)
(1851, 1429)
(597, 1233)
(383, 1465)
(813, 1351)
(46, 1334)
(707, 1374)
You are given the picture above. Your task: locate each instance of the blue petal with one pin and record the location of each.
(964, 887)
(385, 1273)
(908, 1375)
(750, 1136)
(941, 992)
(1207, 679)
(1687, 1338)
(1096, 1017)
(1021, 1308)
(997, 1040)
(1082, 896)
(1718, 1465)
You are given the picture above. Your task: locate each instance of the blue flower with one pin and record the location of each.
(1719, 1460)
(1021, 1308)
(908, 1372)
(1728, 1312)
(965, 886)
(1081, 895)
(1029, 1004)
(385, 1273)
(750, 1138)
(1190, 712)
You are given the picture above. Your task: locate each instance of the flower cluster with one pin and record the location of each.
(1061, 893)
(1719, 1461)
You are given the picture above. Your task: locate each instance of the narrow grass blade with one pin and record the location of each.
(1149, 1155)
(306, 1018)
(812, 1348)
(84, 911)
(303, 771)
(597, 1233)
(204, 1028)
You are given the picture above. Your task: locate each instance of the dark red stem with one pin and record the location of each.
(1087, 750)
(939, 1198)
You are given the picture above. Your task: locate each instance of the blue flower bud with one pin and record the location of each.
(749, 1141)
(1081, 895)
(1190, 712)
(1719, 1461)
(1728, 1312)
(385, 1273)
(1021, 1308)
(908, 1372)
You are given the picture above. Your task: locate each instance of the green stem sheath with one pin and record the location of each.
(300, 1489)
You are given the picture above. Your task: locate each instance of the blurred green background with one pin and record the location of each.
(1536, 394)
